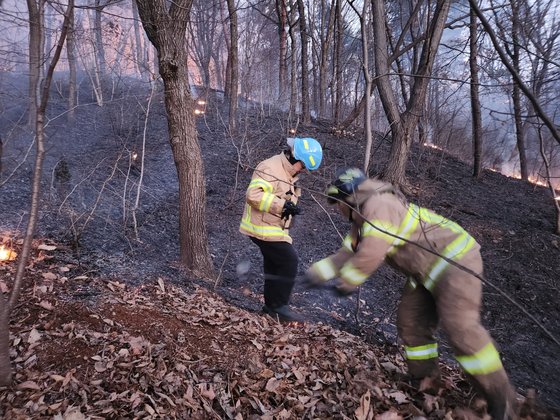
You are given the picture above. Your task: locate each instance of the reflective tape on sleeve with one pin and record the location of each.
(261, 183)
(347, 243)
(266, 202)
(407, 228)
(380, 229)
(482, 362)
(455, 250)
(352, 275)
(425, 352)
(325, 269)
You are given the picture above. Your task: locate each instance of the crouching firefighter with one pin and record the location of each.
(271, 204)
(385, 228)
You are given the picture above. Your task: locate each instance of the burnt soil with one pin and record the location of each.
(86, 212)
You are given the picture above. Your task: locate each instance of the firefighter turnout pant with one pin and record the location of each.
(454, 303)
(280, 262)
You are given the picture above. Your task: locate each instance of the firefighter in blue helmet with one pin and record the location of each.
(271, 203)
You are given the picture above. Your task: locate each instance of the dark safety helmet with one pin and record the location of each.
(345, 183)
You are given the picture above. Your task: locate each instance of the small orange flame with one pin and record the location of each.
(198, 112)
(292, 131)
(433, 146)
(7, 254)
(201, 102)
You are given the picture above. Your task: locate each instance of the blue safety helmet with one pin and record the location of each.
(308, 150)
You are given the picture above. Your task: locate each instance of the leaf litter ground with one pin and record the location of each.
(96, 334)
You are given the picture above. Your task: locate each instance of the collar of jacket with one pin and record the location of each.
(288, 167)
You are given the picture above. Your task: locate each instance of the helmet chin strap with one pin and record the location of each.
(349, 207)
(290, 156)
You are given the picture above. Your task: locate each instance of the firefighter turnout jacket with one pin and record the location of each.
(271, 186)
(383, 236)
(437, 292)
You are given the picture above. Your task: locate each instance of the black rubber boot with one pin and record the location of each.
(283, 314)
(277, 291)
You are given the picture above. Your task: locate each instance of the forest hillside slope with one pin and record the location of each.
(90, 183)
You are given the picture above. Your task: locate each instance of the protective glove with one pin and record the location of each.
(343, 289)
(290, 209)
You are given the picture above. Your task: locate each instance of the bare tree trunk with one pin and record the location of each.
(70, 55)
(217, 59)
(337, 68)
(165, 24)
(516, 94)
(139, 50)
(35, 61)
(5, 365)
(282, 12)
(293, 66)
(475, 99)
(98, 33)
(227, 88)
(323, 65)
(95, 74)
(365, 67)
(233, 65)
(403, 125)
(304, 63)
(555, 199)
(41, 107)
(519, 129)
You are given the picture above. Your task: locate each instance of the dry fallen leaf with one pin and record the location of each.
(389, 415)
(206, 390)
(46, 305)
(399, 397)
(272, 384)
(4, 287)
(46, 247)
(73, 413)
(363, 411)
(161, 285)
(29, 385)
(34, 336)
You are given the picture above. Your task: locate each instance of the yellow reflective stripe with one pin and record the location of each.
(264, 231)
(455, 250)
(266, 202)
(261, 183)
(435, 219)
(325, 269)
(407, 228)
(428, 351)
(347, 243)
(369, 230)
(482, 362)
(352, 275)
(305, 144)
(311, 160)
(431, 217)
